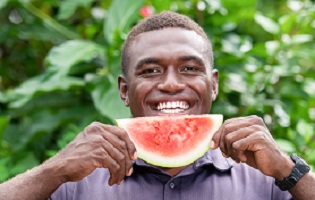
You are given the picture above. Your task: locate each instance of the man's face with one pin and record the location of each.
(169, 74)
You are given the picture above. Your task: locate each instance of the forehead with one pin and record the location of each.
(167, 43)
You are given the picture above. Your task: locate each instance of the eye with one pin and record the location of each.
(151, 71)
(189, 68)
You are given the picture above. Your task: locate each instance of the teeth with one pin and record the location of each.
(171, 111)
(172, 107)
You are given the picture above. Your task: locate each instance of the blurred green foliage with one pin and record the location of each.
(59, 61)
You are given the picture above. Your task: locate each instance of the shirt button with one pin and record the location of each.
(172, 185)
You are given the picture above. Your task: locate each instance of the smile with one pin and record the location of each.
(172, 106)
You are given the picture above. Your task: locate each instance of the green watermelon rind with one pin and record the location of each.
(175, 161)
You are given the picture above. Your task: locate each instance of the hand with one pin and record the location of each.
(98, 146)
(247, 140)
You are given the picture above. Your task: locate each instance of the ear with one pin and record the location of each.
(123, 90)
(215, 84)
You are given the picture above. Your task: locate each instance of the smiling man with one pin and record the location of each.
(167, 62)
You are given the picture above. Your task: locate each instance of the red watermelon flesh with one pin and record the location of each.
(171, 141)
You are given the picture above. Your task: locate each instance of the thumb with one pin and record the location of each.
(216, 139)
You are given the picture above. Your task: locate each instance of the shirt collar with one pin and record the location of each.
(215, 158)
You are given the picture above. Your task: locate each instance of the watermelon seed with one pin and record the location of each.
(157, 142)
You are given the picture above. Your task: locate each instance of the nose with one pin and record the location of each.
(171, 83)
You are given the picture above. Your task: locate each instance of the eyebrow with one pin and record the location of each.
(195, 59)
(146, 61)
(152, 60)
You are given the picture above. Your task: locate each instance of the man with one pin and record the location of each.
(167, 58)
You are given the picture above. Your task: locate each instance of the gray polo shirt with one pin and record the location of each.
(210, 177)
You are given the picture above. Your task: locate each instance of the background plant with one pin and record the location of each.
(59, 61)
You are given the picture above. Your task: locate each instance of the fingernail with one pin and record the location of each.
(135, 155)
(224, 155)
(130, 171)
(120, 182)
(212, 144)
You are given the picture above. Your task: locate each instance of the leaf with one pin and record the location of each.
(161, 5)
(3, 97)
(3, 3)
(74, 51)
(3, 125)
(302, 38)
(239, 4)
(122, 13)
(37, 126)
(287, 22)
(68, 7)
(305, 129)
(286, 145)
(284, 118)
(27, 161)
(267, 24)
(46, 82)
(107, 100)
(272, 47)
(4, 174)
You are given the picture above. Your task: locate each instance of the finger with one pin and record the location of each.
(119, 158)
(103, 146)
(121, 146)
(245, 156)
(238, 156)
(222, 143)
(232, 137)
(218, 134)
(253, 142)
(113, 168)
(101, 159)
(122, 135)
(234, 124)
(113, 135)
(104, 154)
(216, 139)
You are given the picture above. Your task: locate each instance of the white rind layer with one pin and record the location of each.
(180, 160)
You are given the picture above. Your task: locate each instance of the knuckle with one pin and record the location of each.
(255, 128)
(121, 135)
(227, 128)
(92, 128)
(261, 135)
(97, 140)
(258, 120)
(235, 145)
(116, 168)
(123, 145)
(228, 138)
(121, 158)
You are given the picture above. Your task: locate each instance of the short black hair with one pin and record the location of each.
(165, 19)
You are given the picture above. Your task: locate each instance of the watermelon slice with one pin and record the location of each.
(171, 141)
